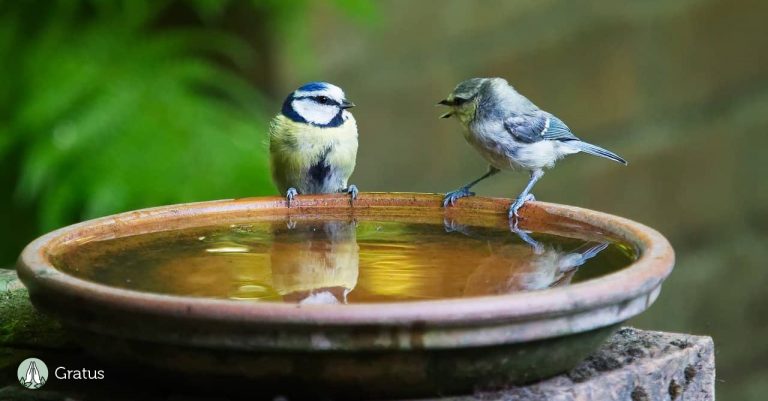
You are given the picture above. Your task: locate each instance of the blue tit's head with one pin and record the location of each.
(317, 103)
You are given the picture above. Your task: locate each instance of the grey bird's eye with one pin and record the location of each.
(458, 101)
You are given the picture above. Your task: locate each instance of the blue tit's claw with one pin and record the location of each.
(517, 204)
(352, 191)
(290, 194)
(451, 197)
(449, 225)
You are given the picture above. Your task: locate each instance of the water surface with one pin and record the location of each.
(341, 261)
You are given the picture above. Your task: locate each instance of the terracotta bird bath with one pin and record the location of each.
(356, 350)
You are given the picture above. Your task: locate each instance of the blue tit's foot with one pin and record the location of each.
(451, 197)
(352, 191)
(450, 226)
(290, 224)
(290, 194)
(518, 203)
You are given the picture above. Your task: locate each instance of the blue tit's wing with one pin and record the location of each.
(530, 128)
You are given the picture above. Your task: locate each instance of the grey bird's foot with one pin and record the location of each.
(537, 247)
(518, 203)
(352, 191)
(290, 194)
(451, 197)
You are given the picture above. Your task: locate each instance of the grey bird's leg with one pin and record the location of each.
(537, 247)
(451, 197)
(526, 195)
(352, 191)
(290, 194)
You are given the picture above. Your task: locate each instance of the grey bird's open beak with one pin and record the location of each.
(346, 104)
(445, 102)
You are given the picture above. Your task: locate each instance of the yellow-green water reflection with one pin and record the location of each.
(337, 261)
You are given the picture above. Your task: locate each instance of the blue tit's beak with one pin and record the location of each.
(346, 104)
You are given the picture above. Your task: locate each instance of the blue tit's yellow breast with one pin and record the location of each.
(295, 147)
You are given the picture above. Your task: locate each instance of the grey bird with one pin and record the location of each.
(511, 133)
(513, 267)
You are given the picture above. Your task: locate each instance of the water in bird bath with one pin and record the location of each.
(342, 261)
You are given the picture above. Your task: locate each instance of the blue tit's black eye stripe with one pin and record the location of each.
(320, 100)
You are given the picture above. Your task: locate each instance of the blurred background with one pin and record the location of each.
(107, 106)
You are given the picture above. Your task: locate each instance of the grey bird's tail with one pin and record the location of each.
(592, 251)
(597, 151)
(580, 255)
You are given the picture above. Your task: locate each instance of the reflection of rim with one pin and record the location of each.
(509, 318)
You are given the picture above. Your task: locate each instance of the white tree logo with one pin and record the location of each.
(33, 373)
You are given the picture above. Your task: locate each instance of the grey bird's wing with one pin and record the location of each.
(530, 128)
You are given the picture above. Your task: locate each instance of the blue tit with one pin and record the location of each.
(313, 142)
(511, 133)
(315, 262)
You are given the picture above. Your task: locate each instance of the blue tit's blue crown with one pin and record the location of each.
(315, 103)
(313, 86)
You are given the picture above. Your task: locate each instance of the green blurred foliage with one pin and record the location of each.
(111, 116)
(107, 106)
(290, 20)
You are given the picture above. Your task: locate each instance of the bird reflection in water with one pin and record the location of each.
(315, 262)
(529, 266)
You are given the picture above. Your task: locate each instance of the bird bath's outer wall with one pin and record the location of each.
(394, 349)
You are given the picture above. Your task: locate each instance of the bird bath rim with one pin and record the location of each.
(510, 318)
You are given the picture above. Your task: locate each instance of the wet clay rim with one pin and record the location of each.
(611, 298)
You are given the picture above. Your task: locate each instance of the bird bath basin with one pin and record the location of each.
(394, 296)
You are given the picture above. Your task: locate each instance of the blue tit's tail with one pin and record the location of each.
(597, 151)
